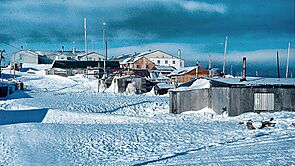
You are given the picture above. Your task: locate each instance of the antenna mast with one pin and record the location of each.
(288, 58)
(224, 56)
(85, 38)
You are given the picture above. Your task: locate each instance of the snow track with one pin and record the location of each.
(83, 127)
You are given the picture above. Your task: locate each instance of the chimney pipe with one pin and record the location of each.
(209, 67)
(244, 69)
(179, 53)
(74, 50)
(62, 49)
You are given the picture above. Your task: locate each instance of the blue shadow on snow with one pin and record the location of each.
(22, 116)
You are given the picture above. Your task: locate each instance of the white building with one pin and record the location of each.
(162, 58)
(91, 56)
(47, 56)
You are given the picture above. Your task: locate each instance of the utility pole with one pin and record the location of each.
(106, 56)
(103, 42)
(1, 56)
(224, 55)
(209, 67)
(288, 58)
(278, 64)
(85, 38)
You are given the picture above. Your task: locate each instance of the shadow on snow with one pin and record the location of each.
(22, 116)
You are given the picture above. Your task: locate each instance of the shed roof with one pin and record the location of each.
(254, 81)
(182, 71)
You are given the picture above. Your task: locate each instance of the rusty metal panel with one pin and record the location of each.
(263, 101)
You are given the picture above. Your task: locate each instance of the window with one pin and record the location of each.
(263, 101)
(173, 62)
(158, 61)
(138, 66)
(166, 61)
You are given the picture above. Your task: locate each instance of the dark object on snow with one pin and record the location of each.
(267, 124)
(249, 125)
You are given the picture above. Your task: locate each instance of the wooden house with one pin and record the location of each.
(137, 63)
(187, 74)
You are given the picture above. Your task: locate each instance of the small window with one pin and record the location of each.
(173, 62)
(138, 66)
(166, 61)
(147, 66)
(158, 61)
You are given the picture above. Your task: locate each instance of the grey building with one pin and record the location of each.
(236, 97)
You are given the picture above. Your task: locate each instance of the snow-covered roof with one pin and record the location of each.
(164, 68)
(256, 81)
(127, 60)
(165, 86)
(197, 84)
(182, 71)
(150, 52)
(89, 53)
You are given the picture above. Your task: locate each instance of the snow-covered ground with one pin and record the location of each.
(75, 125)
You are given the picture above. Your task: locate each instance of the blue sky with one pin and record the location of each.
(198, 27)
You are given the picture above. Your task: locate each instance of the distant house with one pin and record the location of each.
(26, 56)
(188, 73)
(162, 71)
(91, 56)
(162, 58)
(70, 67)
(48, 56)
(139, 62)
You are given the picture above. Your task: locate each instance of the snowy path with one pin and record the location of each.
(83, 127)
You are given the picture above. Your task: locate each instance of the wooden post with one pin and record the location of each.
(278, 64)
(1, 63)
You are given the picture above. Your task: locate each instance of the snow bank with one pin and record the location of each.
(152, 92)
(198, 84)
(114, 86)
(130, 89)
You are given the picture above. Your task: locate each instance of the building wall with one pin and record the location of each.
(241, 101)
(93, 57)
(164, 59)
(235, 101)
(285, 99)
(220, 100)
(142, 63)
(192, 100)
(25, 57)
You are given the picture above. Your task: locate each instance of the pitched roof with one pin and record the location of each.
(150, 52)
(182, 71)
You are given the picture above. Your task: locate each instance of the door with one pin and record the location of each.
(263, 101)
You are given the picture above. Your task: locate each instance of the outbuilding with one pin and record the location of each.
(236, 96)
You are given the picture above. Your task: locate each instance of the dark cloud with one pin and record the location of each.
(153, 20)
